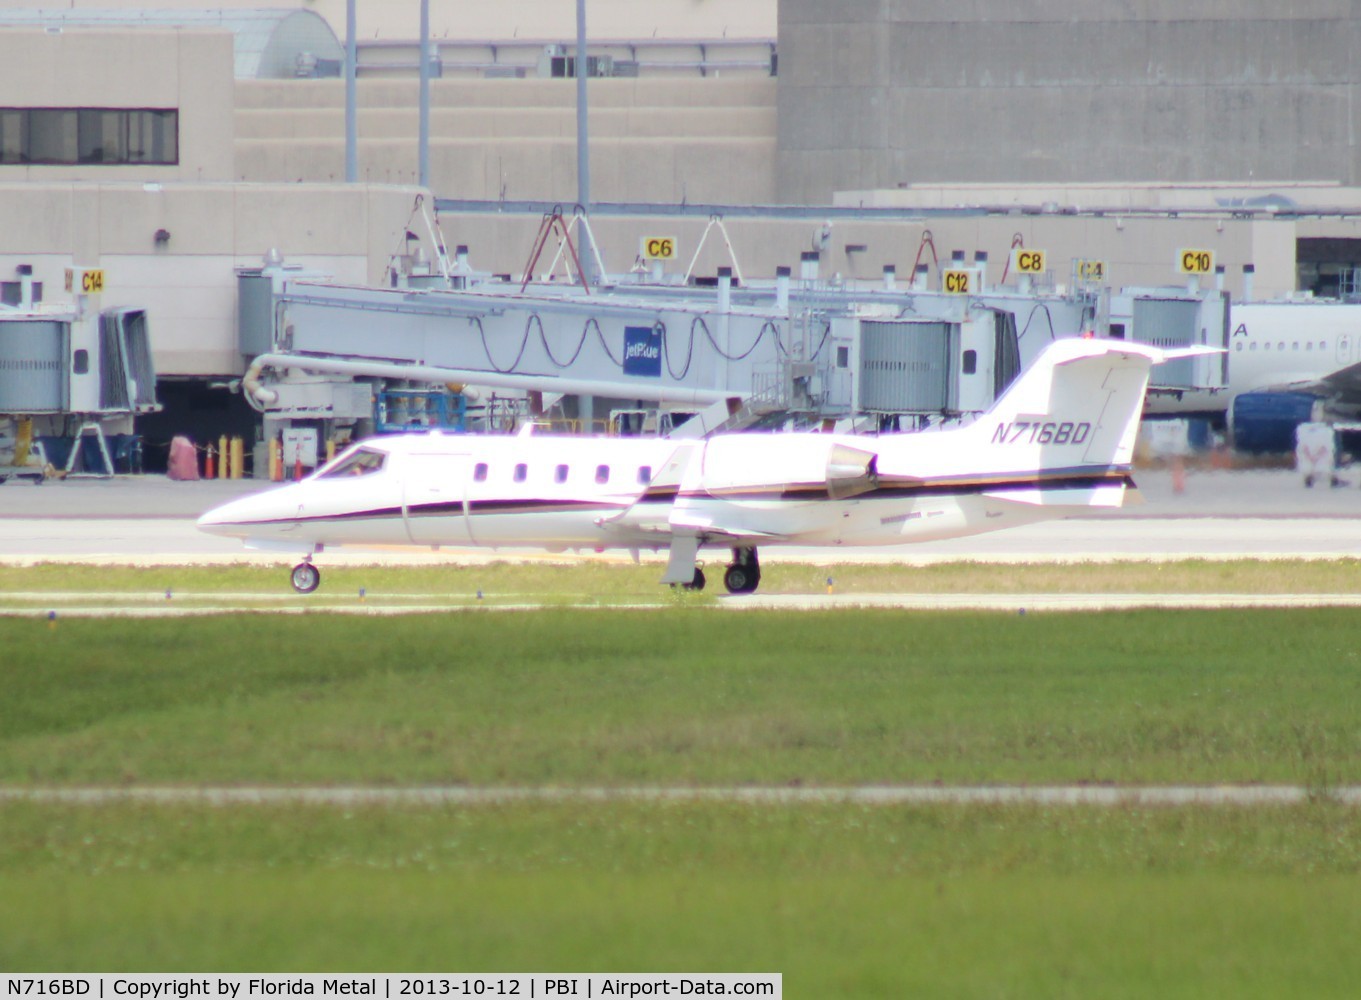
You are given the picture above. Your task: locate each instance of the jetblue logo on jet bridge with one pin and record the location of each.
(643, 351)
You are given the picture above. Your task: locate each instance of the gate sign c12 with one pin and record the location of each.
(957, 281)
(658, 247)
(1027, 261)
(1195, 261)
(643, 351)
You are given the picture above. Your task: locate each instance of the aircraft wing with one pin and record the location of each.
(1345, 382)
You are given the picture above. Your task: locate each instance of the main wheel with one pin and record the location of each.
(741, 579)
(306, 578)
(697, 583)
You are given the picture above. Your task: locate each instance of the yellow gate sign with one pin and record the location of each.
(659, 247)
(1195, 261)
(85, 280)
(1090, 270)
(1028, 261)
(957, 282)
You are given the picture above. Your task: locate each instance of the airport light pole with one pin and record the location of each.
(351, 125)
(424, 140)
(583, 146)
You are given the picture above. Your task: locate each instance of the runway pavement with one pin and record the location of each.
(1258, 514)
(872, 795)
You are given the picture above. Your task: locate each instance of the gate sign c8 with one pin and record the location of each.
(659, 247)
(1195, 261)
(1027, 261)
(957, 282)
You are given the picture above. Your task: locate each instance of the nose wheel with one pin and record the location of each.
(306, 578)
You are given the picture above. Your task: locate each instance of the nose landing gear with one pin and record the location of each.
(306, 577)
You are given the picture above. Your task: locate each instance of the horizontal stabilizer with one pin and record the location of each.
(1111, 495)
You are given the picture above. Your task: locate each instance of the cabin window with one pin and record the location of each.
(602, 474)
(1295, 345)
(1281, 346)
(360, 463)
(1308, 345)
(82, 362)
(480, 472)
(560, 474)
(1252, 346)
(521, 471)
(1238, 346)
(970, 362)
(644, 475)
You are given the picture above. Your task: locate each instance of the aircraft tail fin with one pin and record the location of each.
(1077, 406)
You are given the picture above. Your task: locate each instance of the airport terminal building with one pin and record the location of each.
(174, 148)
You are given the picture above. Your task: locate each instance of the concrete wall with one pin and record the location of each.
(141, 68)
(876, 93)
(697, 140)
(555, 19)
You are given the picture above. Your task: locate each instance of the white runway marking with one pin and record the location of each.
(64, 605)
(886, 795)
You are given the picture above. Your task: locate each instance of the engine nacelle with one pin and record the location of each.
(760, 466)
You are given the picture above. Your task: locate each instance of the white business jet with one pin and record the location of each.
(1059, 440)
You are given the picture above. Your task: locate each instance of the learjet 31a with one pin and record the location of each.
(1058, 441)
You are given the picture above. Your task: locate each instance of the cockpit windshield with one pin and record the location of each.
(362, 462)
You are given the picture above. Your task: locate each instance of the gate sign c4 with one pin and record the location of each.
(1090, 270)
(1195, 261)
(659, 247)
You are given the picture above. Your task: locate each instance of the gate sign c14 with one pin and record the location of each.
(1027, 261)
(85, 280)
(659, 247)
(1195, 261)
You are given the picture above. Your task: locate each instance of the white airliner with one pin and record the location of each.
(1059, 440)
(1312, 347)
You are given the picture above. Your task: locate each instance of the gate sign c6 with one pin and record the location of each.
(658, 247)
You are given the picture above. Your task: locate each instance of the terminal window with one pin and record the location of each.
(78, 136)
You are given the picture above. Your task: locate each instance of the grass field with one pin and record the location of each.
(611, 582)
(845, 900)
(686, 696)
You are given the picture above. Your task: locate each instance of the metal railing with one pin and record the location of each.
(532, 58)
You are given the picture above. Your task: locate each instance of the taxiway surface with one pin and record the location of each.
(1218, 515)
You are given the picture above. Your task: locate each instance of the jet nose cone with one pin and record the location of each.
(244, 516)
(218, 520)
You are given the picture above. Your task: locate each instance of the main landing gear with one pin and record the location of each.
(743, 574)
(306, 577)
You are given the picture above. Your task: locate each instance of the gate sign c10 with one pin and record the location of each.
(659, 247)
(957, 282)
(1027, 261)
(1196, 261)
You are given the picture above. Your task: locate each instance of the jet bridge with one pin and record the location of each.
(801, 349)
(685, 350)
